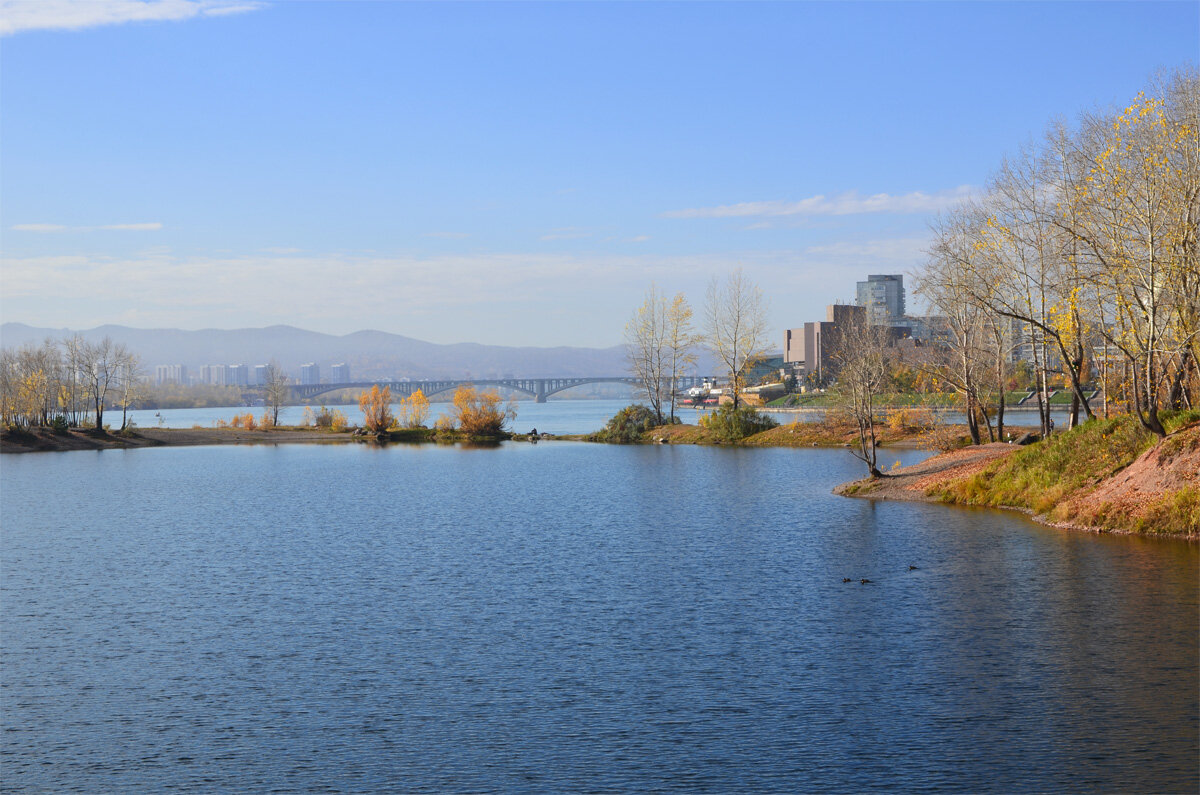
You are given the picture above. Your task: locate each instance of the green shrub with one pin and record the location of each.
(627, 425)
(730, 425)
(59, 425)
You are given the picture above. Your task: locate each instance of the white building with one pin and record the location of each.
(170, 374)
(310, 373)
(217, 374)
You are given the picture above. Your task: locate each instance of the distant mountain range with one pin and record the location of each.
(370, 354)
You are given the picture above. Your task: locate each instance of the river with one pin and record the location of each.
(553, 416)
(566, 617)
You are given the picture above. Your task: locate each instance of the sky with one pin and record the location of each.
(514, 173)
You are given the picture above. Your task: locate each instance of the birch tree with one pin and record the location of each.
(862, 354)
(276, 388)
(646, 338)
(735, 327)
(680, 342)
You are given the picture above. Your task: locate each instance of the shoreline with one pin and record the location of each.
(930, 480)
(45, 442)
(42, 441)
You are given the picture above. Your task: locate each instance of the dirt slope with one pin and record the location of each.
(1161, 485)
(913, 482)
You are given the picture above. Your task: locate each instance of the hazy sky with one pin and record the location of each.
(512, 173)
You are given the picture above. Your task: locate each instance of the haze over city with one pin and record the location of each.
(513, 174)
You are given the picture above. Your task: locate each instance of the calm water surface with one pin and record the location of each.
(573, 617)
(553, 416)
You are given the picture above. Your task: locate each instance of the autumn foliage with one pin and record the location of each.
(325, 418)
(244, 421)
(412, 411)
(481, 413)
(376, 405)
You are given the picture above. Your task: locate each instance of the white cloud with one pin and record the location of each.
(145, 227)
(566, 233)
(448, 235)
(22, 15)
(447, 298)
(39, 228)
(849, 203)
(890, 252)
(151, 227)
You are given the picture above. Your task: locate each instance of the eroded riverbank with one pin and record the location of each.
(1106, 476)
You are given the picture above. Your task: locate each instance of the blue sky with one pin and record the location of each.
(513, 173)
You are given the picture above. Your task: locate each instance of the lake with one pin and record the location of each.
(565, 617)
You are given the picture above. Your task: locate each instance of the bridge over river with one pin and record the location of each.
(538, 388)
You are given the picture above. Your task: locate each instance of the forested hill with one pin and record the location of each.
(370, 354)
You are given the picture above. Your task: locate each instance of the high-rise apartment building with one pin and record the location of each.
(239, 375)
(261, 372)
(310, 373)
(215, 374)
(170, 374)
(339, 373)
(883, 297)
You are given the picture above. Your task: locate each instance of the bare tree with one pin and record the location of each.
(75, 354)
(102, 367)
(277, 388)
(130, 384)
(862, 355)
(658, 342)
(976, 356)
(646, 347)
(735, 326)
(680, 340)
(1028, 273)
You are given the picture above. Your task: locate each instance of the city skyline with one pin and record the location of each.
(516, 174)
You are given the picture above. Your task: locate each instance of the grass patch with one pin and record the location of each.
(1045, 475)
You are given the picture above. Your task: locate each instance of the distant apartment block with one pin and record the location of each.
(883, 297)
(239, 375)
(808, 348)
(310, 373)
(215, 374)
(261, 371)
(170, 374)
(339, 373)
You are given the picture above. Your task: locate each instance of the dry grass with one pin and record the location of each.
(1106, 474)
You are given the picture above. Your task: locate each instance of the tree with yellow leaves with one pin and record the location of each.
(1088, 244)
(478, 413)
(1139, 209)
(412, 411)
(376, 406)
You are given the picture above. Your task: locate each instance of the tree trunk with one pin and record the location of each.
(973, 420)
